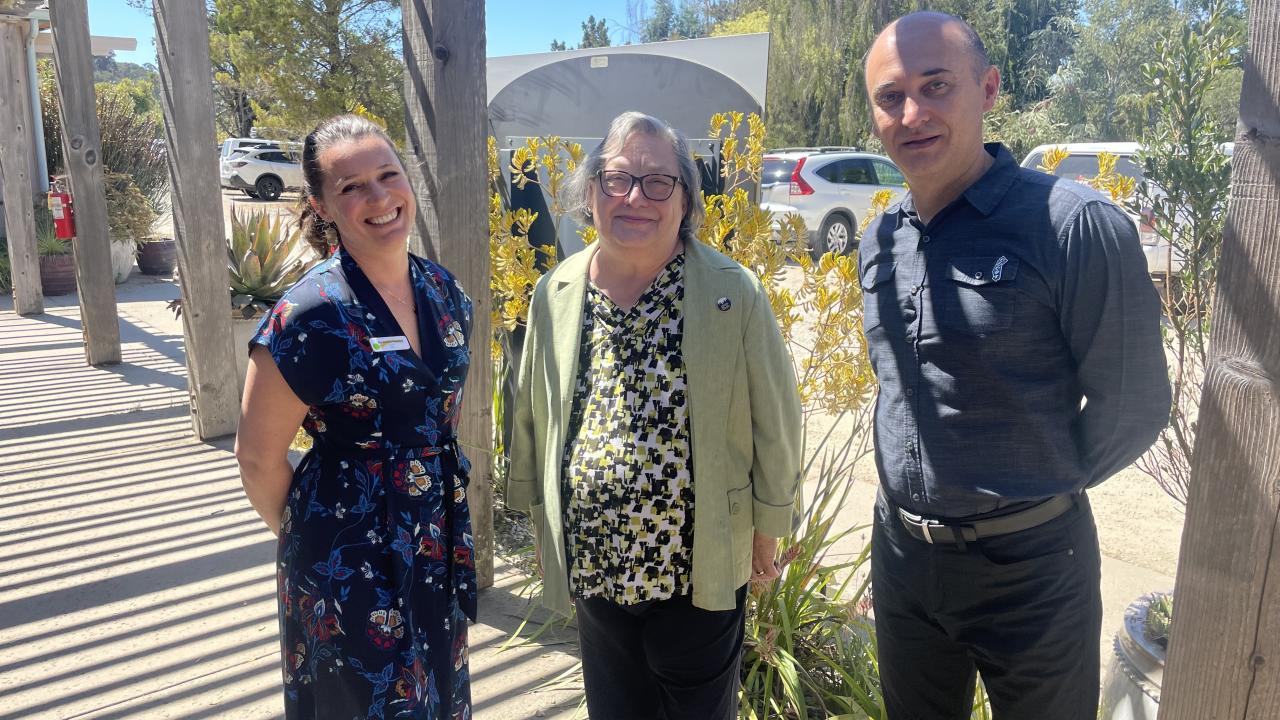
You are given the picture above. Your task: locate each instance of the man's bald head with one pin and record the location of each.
(943, 24)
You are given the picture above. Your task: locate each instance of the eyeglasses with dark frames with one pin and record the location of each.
(655, 186)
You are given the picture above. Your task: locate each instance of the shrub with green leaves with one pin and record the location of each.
(1187, 185)
(129, 214)
(132, 142)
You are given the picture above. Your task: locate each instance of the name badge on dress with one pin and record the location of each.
(388, 344)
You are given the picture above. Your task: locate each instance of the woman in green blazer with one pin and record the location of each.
(656, 436)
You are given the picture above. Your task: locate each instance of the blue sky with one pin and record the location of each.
(514, 26)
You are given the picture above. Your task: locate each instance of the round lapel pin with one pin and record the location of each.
(724, 304)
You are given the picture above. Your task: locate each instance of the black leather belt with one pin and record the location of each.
(935, 531)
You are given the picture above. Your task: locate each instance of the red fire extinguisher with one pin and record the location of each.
(64, 216)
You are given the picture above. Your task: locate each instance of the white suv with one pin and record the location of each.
(1081, 164)
(263, 172)
(829, 187)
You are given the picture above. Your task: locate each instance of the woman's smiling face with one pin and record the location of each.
(633, 221)
(366, 194)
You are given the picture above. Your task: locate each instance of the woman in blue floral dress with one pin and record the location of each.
(368, 353)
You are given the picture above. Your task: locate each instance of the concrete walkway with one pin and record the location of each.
(135, 580)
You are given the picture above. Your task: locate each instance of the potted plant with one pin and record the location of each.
(266, 255)
(157, 256)
(1132, 688)
(57, 266)
(129, 220)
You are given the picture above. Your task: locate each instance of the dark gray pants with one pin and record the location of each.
(1024, 610)
(660, 660)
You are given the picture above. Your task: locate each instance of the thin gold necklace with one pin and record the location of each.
(395, 297)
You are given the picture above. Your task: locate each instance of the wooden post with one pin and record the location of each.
(444, 53)
(182, 44)
(15, 167)
(82, 150)
(1224, 656)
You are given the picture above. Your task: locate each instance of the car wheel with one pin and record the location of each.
(836, 236)
(268, 187)
(250, 193)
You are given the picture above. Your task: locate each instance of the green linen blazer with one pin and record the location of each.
(744, 416)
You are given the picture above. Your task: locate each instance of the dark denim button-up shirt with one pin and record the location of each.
(1016, 339)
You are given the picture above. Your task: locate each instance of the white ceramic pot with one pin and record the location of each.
(122, 256)
(1132, 687)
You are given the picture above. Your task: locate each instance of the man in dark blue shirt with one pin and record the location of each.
(1015, 335)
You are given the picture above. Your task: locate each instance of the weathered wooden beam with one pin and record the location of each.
(15, 172)
(82, 153)
(182, 44)
(1224, 654)
(444, 53)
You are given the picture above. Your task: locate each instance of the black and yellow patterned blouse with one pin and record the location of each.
(627, 462)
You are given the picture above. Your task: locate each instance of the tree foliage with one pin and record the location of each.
(1186, 189)
(595, 34)
(285, 66)
(687, 19)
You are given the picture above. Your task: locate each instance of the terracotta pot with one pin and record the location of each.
(58, 274)
(158, 257)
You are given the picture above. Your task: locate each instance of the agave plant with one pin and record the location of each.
(265, 257)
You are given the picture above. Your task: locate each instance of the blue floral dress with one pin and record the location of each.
(375, 571)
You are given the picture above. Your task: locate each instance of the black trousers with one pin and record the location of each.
(1024, 610)
(660, 660)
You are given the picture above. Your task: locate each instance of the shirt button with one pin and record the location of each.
(915, 496)
(910, 392)
(924, 239)
(915, 289)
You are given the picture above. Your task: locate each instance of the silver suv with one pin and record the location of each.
(1081, 164)
(829, 187)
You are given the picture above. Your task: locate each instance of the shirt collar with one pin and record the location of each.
(984, 194)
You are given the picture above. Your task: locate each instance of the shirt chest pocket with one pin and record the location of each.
(877, 293)
(976, 295)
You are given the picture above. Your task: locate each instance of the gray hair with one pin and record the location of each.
(581, 184)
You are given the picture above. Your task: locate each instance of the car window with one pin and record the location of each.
(831, 172)
(274, 156)
(848, 172)
(776, 170)
(888, 174)
(859, 172)
(1077, 167)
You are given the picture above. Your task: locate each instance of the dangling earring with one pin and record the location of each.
(330, 236)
